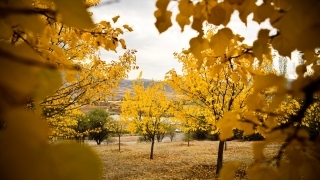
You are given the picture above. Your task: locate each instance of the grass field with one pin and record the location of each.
(173, 160)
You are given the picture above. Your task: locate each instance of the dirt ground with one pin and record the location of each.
(172, 160)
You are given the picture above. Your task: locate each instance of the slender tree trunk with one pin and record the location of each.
(220, 156)
(152, 145)
(225, 145)
(188, 138)
(119, 142)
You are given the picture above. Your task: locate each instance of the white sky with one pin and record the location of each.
(155, 52)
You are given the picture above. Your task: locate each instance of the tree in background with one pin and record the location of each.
(100, 124)
(171, 132)
(216, 91)
(118, 127)
(146, 110)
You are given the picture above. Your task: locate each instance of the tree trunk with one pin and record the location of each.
(188, 138)
(152, 145)
(119, 142)
(225, 145)
(220, 156)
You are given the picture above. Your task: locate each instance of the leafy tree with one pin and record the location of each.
(99, 122)
(284, 16)
(118, 127)
(146, 110)
(171, 132)
(218, 91)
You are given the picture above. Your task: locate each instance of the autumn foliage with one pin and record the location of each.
(51, 65)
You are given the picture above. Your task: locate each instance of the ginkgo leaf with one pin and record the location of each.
(115, 19)
(119, 30)
(164, 23)
(123, 43)
(261, 46)
(186, 8)
(251, 117)
(220, 41)
(226, 125)
(245, 8)
(48, 82)
(262, 12)
(74, 13)
(217, 15)
(262, 173)
(257, 148)
(182, 21)
(197, 44)
(106, 24)
(5, 30)
(228, 170)
(20, 83)
(83, 163)
(255, 102)
(282, 45)
(128, 27)
(70, 76)
(265, 81)
(197, 24)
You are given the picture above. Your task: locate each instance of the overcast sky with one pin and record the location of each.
(155, 51)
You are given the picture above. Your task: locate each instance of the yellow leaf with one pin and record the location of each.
(17, 75)
(248, 128)
(49, 81)
(234, 77)
(119, 30)
(283, 45)
(128, 27)
(74, 13)
(226, 125)
(228, 170)
(182, 21)
(106, 24)
(186, 8)
(248, 115)
(220, 41)
(164, 23)
(76, 161)
(70, 76)
(263, 12)
(255, 102)
(245, 8)
(217, 15)
(261, 46)
(266, 81)
(27, 155)
(197, 24)
(257, 148)
(115, 19)
(123, 43)
(5, 30)
(197, 45)
(310, 169)
(262, 173)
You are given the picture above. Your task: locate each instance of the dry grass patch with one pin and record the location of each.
(172, 160)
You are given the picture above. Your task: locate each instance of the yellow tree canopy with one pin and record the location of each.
(297, 24)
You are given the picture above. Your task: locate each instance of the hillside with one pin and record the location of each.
(126, 85)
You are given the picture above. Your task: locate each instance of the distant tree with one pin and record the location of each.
(146, 109)
(118, 127)
(171, 132)
(82, 128)
(99, 123)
